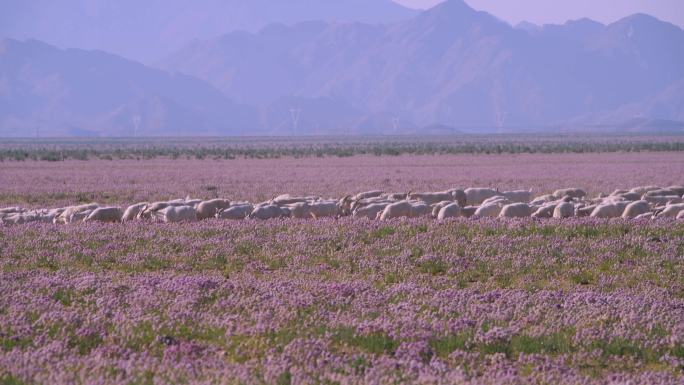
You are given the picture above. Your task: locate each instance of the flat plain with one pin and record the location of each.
(50, 184)
(340, 301)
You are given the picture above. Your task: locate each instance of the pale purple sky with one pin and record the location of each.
(559, 11)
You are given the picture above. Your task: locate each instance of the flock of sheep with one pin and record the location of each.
(639, 202)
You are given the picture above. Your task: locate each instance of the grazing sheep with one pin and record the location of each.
(609, 210)
(105, 214)
(585, 211)
(209, 209)
(468, 211)
(299, 210)
(371, 211)
(268, 212)
(396, 210)
(284, 200)
(545, 211)
(365, 202)
(324, 209)
(11, 210)
(661, 192)
(518, 196)
(66, 216)
(437, 207)
(20, 218)
(630, 196)
(15, 219)
(488, 211)
(662, 200)
(502, 200)
(648, 215)
(475, 196)
(564, 210)
(540, 200)
(516, 210)
(678, 189)
(641, 190)
(149, 211)
(175, 214)
(79, 216)
(573, 192)
(397, 196)
(635, 209)
(420, 209)
(236, 212)
(432, 197)
(459, 196)
(367, 194)
(671, 211)
(452, 210)
(133, 211)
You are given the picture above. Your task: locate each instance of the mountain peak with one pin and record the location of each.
(452, 6)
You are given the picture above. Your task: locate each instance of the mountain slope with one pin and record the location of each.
(147, 30)
(449, 65)
(48, 91)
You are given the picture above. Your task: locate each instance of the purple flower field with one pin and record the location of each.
(344, 302)
(347, 301)
(51, 184)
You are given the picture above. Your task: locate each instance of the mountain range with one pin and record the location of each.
(146, 30)
(448, 69)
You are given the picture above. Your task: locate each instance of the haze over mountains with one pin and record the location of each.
(146, 30)
(450, 67)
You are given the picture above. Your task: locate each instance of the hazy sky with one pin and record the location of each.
(559, 11)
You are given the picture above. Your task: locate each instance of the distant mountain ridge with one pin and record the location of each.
(450, 65)
(52, 92)
(149, 29)
(448, 69)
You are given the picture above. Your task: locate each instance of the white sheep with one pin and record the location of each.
(541, 200)
(452, 210)
(438, 206)
(133, 211)
(209, 209)
(105, 214)
(635, 209)
(545, 211)
(516, 210)
(572, 192)
(268, 212)
(564, 210)
(323, 209)
(367, 194)
(488, 211)
(641, 190)
(175, 214)
(432, 197)
(671, 211)
(236, 212)
(662, 200)
(66, 216)
(609, 210)
(396, 210)
(370, 211)
(518, 196)
(476, 195)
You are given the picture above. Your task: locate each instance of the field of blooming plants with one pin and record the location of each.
(343, 301)
(50, 184)
(340, 301)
